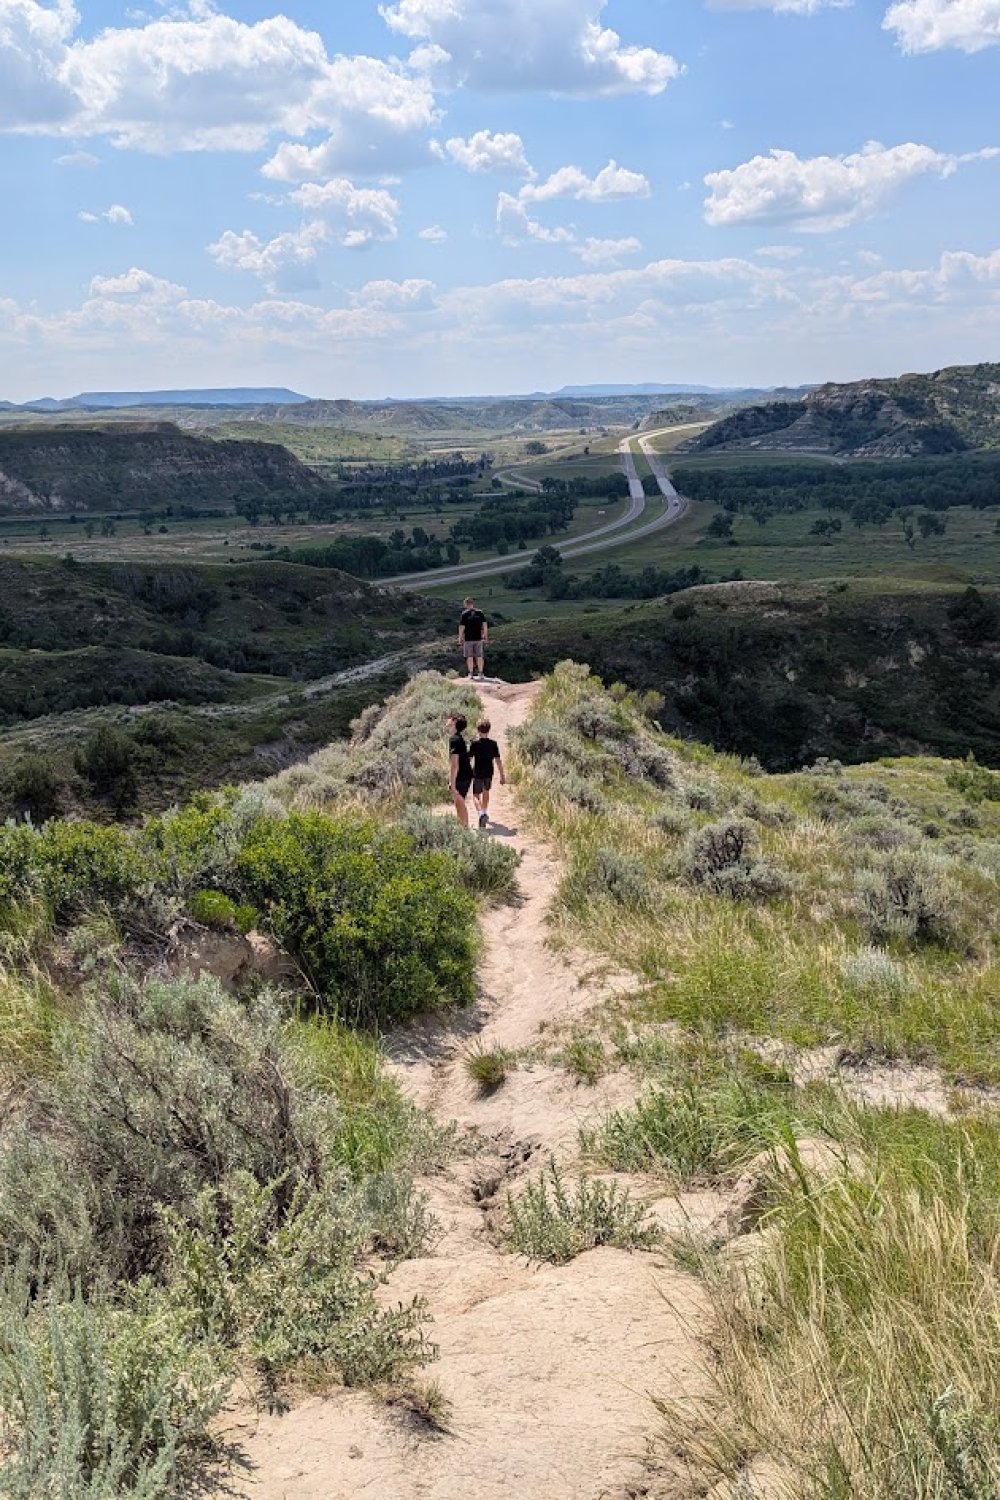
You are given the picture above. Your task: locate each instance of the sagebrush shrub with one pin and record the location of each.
(542, 737)
(620, 876)
(98, 1402)
(723, 857)
(598, 720)
(276, 1277)
(552, 1221)
(483, 865)
(872, 972)
(162, 1091)
(701, 798)
(670, 820)
(882, 833)
(582, 794)
(903, 896)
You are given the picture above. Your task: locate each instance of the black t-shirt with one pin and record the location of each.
(473, 621)
(457, 746)
(484, 752)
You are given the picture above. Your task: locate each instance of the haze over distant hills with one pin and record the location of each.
(105, 400)
(282, 396)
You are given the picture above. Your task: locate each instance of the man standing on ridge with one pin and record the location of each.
(473, 633)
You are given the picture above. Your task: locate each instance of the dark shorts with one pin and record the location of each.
(482, 784)
(462, 785)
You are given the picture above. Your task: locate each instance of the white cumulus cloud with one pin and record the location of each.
(355, 217)
(78, 159)
(117, 213)
(557, 46)
(514, 223)
(413, 293)
(598, 252)
(205, 81)
(284, 264)
(930, 25)
(821, 193)
(781, 7)
(485, 151)
(611, 183)
(434, 234)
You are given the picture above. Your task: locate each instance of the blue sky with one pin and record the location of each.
(459, 196)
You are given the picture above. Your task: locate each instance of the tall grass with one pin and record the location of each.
(857, 1351)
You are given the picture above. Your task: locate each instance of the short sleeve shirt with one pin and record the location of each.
(472, 622)
(457, 746)
(484, 752)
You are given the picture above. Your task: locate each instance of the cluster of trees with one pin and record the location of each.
(868, 492)
(510, 519)
(503, 522)
(370, 556)
(588, 486)
(547, 570)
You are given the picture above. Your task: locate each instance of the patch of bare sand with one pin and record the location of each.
(548, 1369)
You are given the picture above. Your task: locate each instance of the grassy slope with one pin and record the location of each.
(853, 1347)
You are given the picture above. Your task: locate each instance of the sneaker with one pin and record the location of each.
(484, 818)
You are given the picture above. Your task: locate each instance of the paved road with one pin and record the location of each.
(596, 540)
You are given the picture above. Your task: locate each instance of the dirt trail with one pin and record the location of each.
(548, 1369)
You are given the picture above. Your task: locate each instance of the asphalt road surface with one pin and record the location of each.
(668, 508)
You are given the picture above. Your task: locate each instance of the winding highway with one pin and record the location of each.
(669, 507)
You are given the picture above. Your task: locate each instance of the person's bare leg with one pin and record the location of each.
(484, 801)
(461, 808)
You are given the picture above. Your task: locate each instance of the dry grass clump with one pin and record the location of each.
(487, 1066)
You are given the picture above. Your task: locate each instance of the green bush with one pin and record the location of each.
(550, 1221)
(108, 761)
(381, 929)
(69, 866)
(34, 787)
(974, 781)
(196, 846)
(215, 910)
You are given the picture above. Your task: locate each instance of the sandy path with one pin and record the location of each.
(548, 1369)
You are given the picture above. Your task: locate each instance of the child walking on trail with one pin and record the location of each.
(459, 767)
(485, 754)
